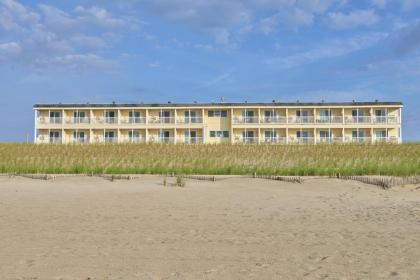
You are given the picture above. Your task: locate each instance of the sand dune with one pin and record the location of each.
(91, 228)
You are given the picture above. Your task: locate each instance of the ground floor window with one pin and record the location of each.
(302, 134)
(219, 134)
(324, 134)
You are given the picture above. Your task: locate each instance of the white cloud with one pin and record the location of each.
(327, 50)
(353, 19)
(46, 36)
(100, 16)
(379, 3)
(408, 5)
(9, 50)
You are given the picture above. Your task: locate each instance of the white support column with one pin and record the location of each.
(400, 137)
(314, 115)
(204, 127)
(175, 134)
(343, 116)
(118, 135)
(371, 114)
(287, 134)
(329, 135)
(146, 134)
(259, 135)
(259, 115)
(371, 134)
(147, 117)
(62, 126)
(118, 116)
(287, 116)
(314, 135)
(231, 126)
(35, 125)
(343, 131)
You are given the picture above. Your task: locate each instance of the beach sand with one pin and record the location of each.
(237, 228)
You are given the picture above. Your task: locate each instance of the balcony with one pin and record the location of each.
(162, 140)
(161, 120)
(189, 120)
(301, 120)
(275, 120)
(47, 120)
(55, 140)
(81, 120)
(190, 140)
(274, 140)
(135, 140)
(133, 120)
(302, 140)
(247, 140)
(105, 120)
(243, 120)
(80, 140)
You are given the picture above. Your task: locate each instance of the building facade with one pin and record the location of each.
(195, 123)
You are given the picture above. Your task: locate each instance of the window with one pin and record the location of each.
(302, 134)
(219, 134)
(380, 134)
(134, 114)
(361, 134)
(55, 117)
(133, 134)
(222, 113)
(79, 136)
(79, 117)
(269, 134)
(324, 134)
(54, 137)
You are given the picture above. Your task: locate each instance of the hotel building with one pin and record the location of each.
(250, 123)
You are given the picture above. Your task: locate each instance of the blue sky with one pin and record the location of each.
(200, 50)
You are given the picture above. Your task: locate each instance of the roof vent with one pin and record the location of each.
(195, 102)
(222, 99)
(113, 102)
(354, 101)
(169, 102)
(246, 101)
(274, 101)
(376, 100)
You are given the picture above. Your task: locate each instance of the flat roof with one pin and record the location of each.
(224, 104)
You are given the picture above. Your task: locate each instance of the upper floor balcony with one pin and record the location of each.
(318, 120)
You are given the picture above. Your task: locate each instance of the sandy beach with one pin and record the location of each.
(236, 228)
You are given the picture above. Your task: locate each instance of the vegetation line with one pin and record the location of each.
(279, 160)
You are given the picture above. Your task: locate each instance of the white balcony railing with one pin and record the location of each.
(80, 140)
(302, 140)
(300, 120)
(247, 140)
(55, 140)
(274, 140)
(242, 120)
(189, 120)
(190, 140)
(163, 120)
(275, 120)
(80, 120)
(133, 120)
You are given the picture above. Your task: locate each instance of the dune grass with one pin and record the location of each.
(351, 159)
